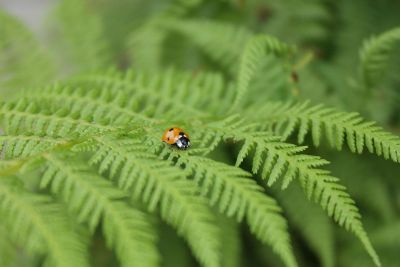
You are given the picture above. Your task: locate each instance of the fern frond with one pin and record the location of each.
(255, 53)
(162, 186)
(39, 224)
(235, 194)
(95, 199)
(23, 61)
(162, 94)
(281, 159)
(338, 127)
(146, 44)
(77, 32)
(275, 160)
(100, 104)
(222, 42)
(21, 146)
(26, 116)
(375, 54)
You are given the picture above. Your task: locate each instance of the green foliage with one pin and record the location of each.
(23, 60)
(375, 54)
(82, 162)
(39, 223)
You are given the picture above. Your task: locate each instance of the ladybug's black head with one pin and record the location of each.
(183, 142)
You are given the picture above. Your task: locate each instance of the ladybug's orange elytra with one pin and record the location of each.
(176, 136)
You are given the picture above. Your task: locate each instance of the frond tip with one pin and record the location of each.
(275, 160)
(339, 128)
(257, 48)
(234, 193)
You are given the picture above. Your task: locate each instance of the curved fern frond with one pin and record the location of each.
(375, 54)
(161, 186)
(39, 224)
(235, 194)
(255, 52)
(23, 61)
(275, 160)
(338, 127)
(95, 199)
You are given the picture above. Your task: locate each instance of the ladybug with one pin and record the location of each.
(176, 136)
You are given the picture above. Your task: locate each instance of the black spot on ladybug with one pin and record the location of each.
(171, 129)
(181, 133)
(168, 138)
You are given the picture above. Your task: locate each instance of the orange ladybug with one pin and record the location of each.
(177, 137)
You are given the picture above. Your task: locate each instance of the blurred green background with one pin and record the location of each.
(60, 39)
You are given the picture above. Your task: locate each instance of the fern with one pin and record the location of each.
(375, 54)
(94, 199)
(235, 194)
(337, 127)
(26, 116)
(23, 60)
(275, 160)
(83, 48)
(225, 52)
(82, 162)
(254, 53)
(311, 222)
(160, 185)
(37, 222)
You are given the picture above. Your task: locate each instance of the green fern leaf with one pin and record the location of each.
(375, 54)
(77, 36)
(275, 160)
(21, 146)
(255, 52)
(26, 116)
(38, 223)
(158, 184)
(235, 194)
(155, 95)
(222, 42)
(311, 223)
(94, 199)
(338, 127)
(23, 61)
